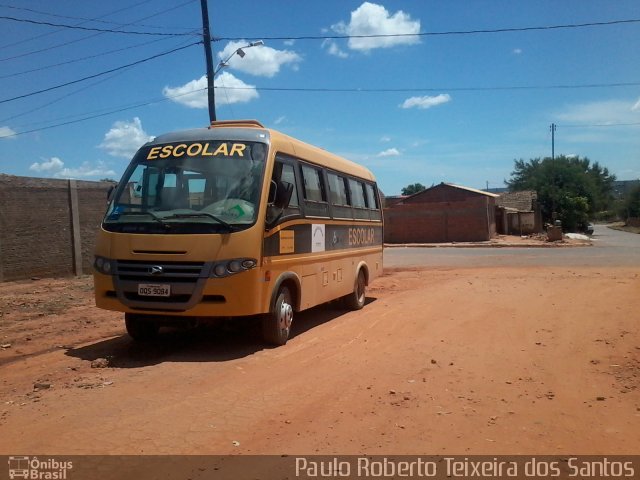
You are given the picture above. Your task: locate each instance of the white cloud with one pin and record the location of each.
(87, 170)
(385, 138)
(229, 90)
(333, 48)
(372, 19)
(279, 120)
(54, 164)
(517, 51)
(6, 132)
(125, 138)
(604, 112)
(390, 152)
(426, 101)
(54, 167)
(261, 60)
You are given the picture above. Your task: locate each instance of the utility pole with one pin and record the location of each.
(553, 141)
(206, 39)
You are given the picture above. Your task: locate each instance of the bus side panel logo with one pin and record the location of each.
(317, 237)
(287, 242)
(359, 237)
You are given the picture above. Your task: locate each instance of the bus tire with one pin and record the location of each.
(356, 299)
(276, 325)
(139, 328)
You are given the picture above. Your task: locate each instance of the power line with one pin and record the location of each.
(601, 125)
(81, 23)
(59, 99)
(75, 60)
(87, 20)
(430, 34)
(98, 74)
(46, 49)
(106, 113)
(144, 103)
(69, 94)
(436, 89)
(93, 29)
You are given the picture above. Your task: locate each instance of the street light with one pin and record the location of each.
(241, 53)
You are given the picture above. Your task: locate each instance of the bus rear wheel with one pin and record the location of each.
(276, 325)
(139, 328)
(356, 299)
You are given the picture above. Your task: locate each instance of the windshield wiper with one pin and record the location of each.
(149, 213)
(205, 214)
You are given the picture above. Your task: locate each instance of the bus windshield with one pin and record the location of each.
(190, 187)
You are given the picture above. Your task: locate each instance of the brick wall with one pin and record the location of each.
(523, 201)
(441, 214)
(36, 226)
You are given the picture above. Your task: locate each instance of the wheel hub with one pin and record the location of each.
(286, 316)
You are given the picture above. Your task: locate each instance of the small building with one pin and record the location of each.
(440, 214)
(518, 213)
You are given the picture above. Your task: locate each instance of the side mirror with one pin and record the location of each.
(283, 194)
(279, 197)
(111, 191)
(273, 187)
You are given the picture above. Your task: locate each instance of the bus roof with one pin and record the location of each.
(254, 131)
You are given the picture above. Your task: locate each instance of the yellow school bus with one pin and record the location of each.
(236, 220)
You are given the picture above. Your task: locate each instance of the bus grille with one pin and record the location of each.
(171, 271)
(186, 280)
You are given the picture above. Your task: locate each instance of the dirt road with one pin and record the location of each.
(440, 361)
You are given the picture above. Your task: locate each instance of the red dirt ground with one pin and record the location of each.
(442, 361)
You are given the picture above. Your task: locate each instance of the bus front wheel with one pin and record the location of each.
(356, 299)
(139, 328)
(276, 325)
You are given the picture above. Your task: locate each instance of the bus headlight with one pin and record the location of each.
(220, 270)
(230, 267)
(249, 263)
(235, 266)
(104, 265)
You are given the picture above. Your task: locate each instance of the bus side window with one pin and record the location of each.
(371, 197)
(313, 185)
(339, 192)
(288, 175)
(315, 193)
(357, 193)
(283, 175)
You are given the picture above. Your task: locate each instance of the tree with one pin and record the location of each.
(570, 189)
(632, 204)
(413, 188)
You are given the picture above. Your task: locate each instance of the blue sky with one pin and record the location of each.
(427, 108)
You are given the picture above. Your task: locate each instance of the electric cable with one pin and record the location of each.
(431, 34)
(46, 49)
(138, 62)
(81, 23)
(93, 29)
(87, 20)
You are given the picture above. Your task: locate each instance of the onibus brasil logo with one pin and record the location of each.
(38, 469)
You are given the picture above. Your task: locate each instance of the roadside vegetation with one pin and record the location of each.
(570, 189)
(574, 191)
(624, 227)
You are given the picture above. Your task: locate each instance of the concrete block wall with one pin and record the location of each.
(467, 219)
(37, 235)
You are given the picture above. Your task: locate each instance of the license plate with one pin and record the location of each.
(154, 290)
